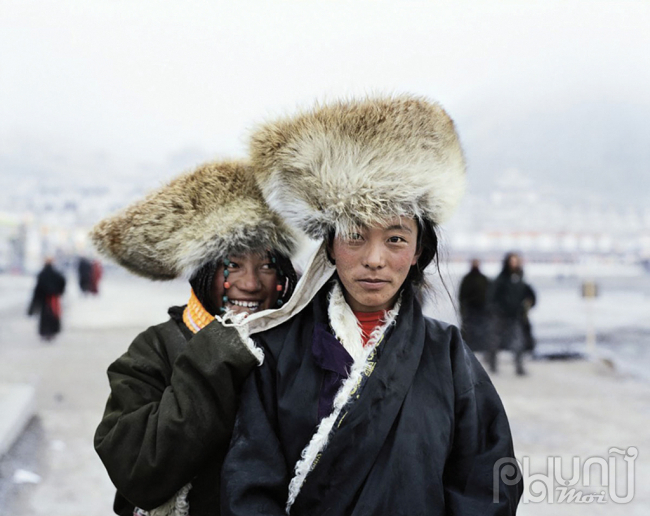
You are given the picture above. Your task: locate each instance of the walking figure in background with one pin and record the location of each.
(509, 299)
(90, 272)
(85, 271)
(95, 276)
(473, 308)
(46, 300)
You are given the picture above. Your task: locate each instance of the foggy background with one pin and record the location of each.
(103, 101)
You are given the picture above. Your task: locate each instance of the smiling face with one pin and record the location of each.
(253, 283)
(373, 263)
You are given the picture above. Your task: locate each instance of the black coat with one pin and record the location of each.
(169, 418)
(50, 285)
(473, 290)
(423, 438)
(85, 271)
(507, 295)
(509, 299)
(472, 296)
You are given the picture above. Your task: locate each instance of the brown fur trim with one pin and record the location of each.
(215, 211)
(360, 162)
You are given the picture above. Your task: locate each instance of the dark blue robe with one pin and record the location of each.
(424, 437)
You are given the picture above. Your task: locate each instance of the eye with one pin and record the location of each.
(396, 240)
(355, 237)
(232, 265)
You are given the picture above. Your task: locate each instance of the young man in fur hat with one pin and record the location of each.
(174, 393)
(364, 406)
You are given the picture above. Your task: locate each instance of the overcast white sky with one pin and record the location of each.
(138, 80)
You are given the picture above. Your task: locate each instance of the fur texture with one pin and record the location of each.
(238, 321)
(177, 505)
(215, 211)
(363, 162)
(345, 324)
(339, 313)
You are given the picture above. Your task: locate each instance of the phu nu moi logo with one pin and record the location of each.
(614, 475)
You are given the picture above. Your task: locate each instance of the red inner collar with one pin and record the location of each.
(369, 321)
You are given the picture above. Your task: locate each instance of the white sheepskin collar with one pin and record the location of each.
(347, 330)
(344, 323)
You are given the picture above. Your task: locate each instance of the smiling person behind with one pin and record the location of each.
(252, 280)
(364, 406)
(175, 391)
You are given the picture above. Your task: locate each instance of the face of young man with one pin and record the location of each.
(374, 262)
(253, 284)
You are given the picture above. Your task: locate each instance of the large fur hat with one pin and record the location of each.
(215, 211)
(360, 162)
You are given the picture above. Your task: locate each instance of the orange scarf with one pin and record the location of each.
(195, 316)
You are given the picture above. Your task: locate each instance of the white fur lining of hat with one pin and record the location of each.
(177, 505)
(343, 322)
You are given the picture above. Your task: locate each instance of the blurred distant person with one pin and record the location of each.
(85, 271)
(46, 300)
(509, 299)
(473, 308)
(95, 276)
(529, 301)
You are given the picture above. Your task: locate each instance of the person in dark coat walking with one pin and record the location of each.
(509, 299)
(363, 405)
(472, 297)
(46, 300)
(175, 391)
(85, 274)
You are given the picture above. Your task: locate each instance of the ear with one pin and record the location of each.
(418, 251)
(330, 252)
(417, 255)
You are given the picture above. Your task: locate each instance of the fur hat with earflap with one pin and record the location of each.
(199, 217)
(360, 162)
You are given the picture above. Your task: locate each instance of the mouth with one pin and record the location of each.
(250, 306)
(372, 283)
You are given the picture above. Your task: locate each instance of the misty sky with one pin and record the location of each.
(118, 83)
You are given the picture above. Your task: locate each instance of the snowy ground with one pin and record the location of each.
(563, 408)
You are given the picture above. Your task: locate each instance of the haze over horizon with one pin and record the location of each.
(115, 91)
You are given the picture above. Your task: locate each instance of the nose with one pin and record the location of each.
(250, 281)
(373, 258)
